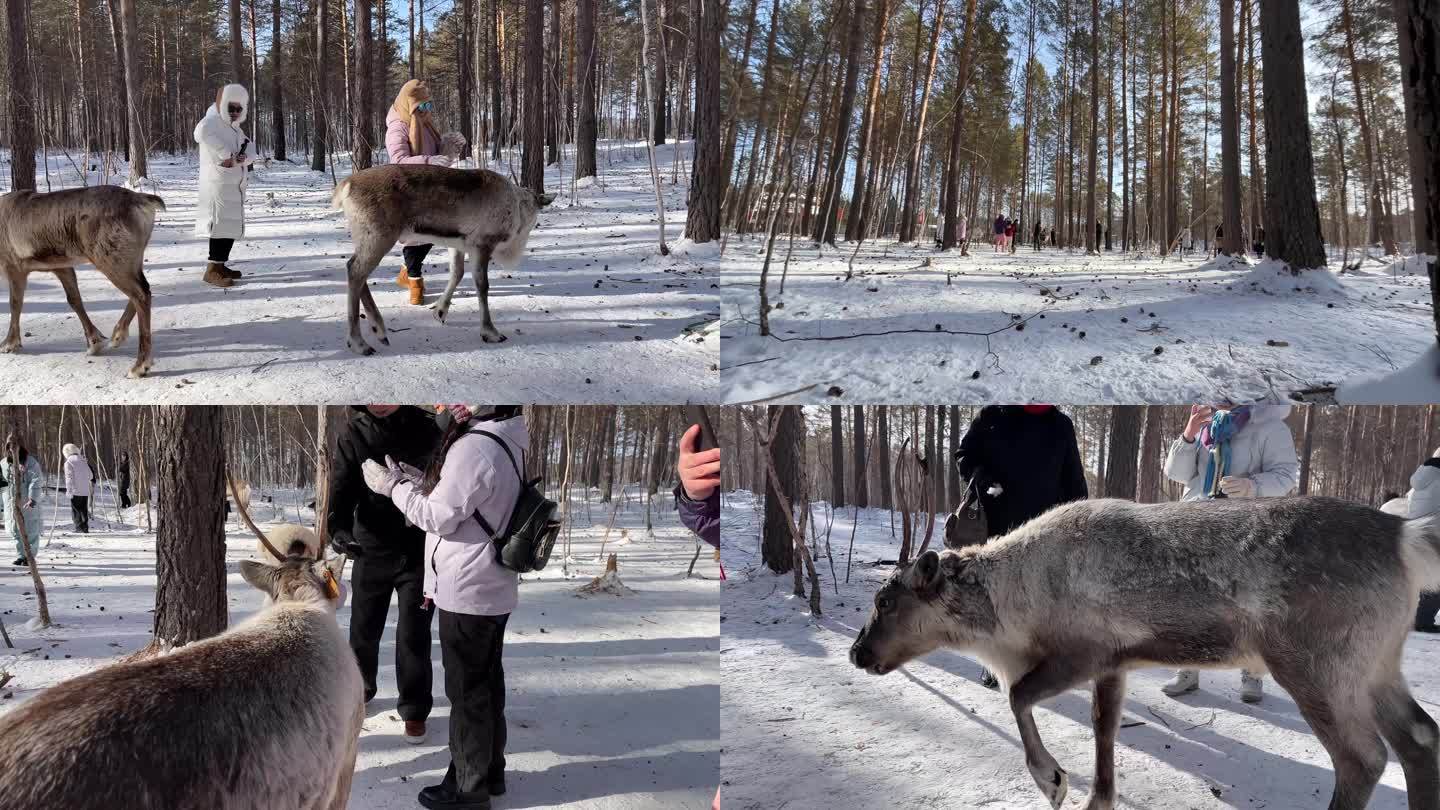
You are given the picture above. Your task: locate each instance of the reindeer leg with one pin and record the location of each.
(1106, 713)
(1415, 738)
(372, 312)
(1045, 681)
(457, 272)
(122, 326)
(488, 332)
(18, 279)
(1343, 717)
(358, 270)
(93, 339)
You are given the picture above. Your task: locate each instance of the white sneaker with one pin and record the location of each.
(1185, 680)
(1252, 689)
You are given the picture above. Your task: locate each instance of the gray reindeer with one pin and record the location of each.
(477, 213)
(265, 716)
(106, 226)
(1318, 591)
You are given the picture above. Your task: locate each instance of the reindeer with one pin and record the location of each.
(265, 716)
(913, 495)
(106, 226)
(476, 213)
(1318, 591)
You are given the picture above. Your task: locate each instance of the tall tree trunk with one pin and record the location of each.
(1122, 471)
(951, 234)
(787, 449)
(855, 222)
(1307, 444)
(532, 156)
(552, 90)
(1374, 209)
(1125, 212)
(319, 136)
(840, 147)
(912, 163)
(741, 204)
(660, 98)
(1092, 244)
(237, 46)
(21, 97)
(861, 486)
(1229, 135)
(497, 123)
(1257, 169)
(190, 602)
(364, 92)
(1292, 216)
(837, 456)
(277, 85)
(139, 145)
(1419, 40)
(587, 132)
(702, 219)
(882, 440)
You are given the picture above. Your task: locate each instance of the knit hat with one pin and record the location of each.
(412, 94)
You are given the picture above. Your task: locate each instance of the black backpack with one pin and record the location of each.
(526, 543)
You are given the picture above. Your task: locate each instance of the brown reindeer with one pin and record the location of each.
(106, 226)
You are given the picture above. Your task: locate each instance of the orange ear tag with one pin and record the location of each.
(332, 588)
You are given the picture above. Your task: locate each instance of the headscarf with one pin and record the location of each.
(1216, 438)
(412, 94)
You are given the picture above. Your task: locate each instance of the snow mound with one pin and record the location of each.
(1415, 384)
(586, 182)
(608, 583)
(1417, 265)
(1274, 277)
(144, 186)
(34, 624)
(696, 251)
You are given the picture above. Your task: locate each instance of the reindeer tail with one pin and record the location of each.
(154, 203)
(1420, 548)
(337, 199)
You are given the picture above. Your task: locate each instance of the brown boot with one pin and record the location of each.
(415, 732)
(403, 279)
(228, 273)
(417, 291)
(215, 275)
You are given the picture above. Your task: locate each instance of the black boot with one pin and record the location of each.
(444, 797)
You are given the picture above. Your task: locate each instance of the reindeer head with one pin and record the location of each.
(937, 600)
(301, 573)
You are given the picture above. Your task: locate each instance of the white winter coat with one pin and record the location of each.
(462, 573)
(78, 478)
(220, 209)
(1423, 499)
(1263, 451)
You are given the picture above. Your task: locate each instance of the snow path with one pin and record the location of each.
(1217, 335)
(799, 721)
(613, 702)
(594, 314)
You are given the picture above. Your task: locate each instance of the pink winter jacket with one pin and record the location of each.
(397, 141)
(462, 573)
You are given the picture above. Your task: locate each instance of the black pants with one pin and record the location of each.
(220, 250)
(471, 648)
(125, 495)
(1429, 606)
(415, 258)
(375, 577)
(80, 513)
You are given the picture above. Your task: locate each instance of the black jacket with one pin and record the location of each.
(1033, 457)
(408, 435)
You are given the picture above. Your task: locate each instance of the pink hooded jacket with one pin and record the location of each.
(397, 142)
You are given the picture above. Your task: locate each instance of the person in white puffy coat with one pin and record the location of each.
(79, 485)
(471, 475)
(1422, 500)
(1240, 452)
(226, 152)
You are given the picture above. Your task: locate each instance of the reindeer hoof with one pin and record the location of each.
(360, 347)
(96, 346)
(10, 346)
(493, 336)
(440, 313)
(140, 369)
(119, 338)
(1053, 782)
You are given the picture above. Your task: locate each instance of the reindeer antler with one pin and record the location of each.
(245, 515)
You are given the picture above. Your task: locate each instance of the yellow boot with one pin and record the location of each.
(417, 291)
(403, 279)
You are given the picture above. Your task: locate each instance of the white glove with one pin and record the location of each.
(995, 491)
(1237, 487)
(382, 478)
(452, 145)
(440, 160)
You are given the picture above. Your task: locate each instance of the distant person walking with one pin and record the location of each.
(79, 484)
(1232, 452)
(999, 233)
(20, 485)
(1038, 236)
(122, 479)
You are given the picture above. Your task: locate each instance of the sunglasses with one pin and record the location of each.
(424, 106)
(236, 109)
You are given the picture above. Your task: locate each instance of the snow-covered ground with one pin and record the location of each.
(613, 701)
(594, 314)
(804, 728)
(1063, 326)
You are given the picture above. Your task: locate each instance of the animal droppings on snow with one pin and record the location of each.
(1095, 361)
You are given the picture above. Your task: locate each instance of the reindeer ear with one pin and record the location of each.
(260, 575)
(959, 568)
(544, 200)
(925, 573)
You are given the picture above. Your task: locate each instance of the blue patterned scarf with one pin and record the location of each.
(1216, 437)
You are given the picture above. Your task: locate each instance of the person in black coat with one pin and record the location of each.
(122, 479)
(1024, 460)
(388, 553)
